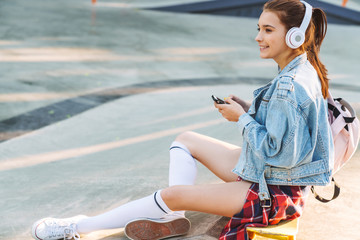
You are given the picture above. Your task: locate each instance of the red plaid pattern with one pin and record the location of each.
(287, 204)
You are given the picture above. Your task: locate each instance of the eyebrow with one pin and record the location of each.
(266, 25)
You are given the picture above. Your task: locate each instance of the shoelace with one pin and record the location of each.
(70, 232)
(62, 230)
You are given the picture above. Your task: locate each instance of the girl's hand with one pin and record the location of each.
(231, 111)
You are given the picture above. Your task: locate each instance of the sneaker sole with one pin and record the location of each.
(147, 229)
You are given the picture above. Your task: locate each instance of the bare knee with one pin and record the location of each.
(185, 137)
(172, 197)
(188, 139)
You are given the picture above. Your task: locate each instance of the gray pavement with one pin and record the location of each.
(97, 94)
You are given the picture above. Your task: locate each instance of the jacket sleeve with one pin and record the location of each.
(280, 141)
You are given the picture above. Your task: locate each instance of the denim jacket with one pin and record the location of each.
(287, 138)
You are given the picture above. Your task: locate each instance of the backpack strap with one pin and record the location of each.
(335, 195)
(344, 105)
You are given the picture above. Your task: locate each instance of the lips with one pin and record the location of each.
(263, 47)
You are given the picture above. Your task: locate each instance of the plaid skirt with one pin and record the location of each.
(287, 204)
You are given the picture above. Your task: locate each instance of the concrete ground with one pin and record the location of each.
(91, 97)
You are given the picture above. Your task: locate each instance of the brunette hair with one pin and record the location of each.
(291, 14)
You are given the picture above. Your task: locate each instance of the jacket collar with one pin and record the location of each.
(295, 62)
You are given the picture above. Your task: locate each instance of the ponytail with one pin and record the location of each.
(314, 37)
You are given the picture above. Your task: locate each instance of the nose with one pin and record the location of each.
(258, 37)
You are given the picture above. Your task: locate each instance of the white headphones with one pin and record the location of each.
(295, 37)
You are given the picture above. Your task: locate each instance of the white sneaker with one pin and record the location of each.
(55, 228)
(154, 229)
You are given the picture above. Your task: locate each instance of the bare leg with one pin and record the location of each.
(225, 199)
(218, 156)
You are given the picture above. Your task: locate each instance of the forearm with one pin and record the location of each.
(245, 104)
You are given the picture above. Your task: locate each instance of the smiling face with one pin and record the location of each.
(271, 39)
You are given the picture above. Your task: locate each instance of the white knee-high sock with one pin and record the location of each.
(183, 169)
(148, 207)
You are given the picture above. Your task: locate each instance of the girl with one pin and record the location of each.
(287, 146)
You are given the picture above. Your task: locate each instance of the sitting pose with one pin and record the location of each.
(287, 146)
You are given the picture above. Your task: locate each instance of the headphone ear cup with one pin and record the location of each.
(295, 37)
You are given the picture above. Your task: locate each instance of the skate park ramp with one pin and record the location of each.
(93, 95)
(338, 14)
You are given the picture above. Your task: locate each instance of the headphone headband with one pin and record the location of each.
(307, 17)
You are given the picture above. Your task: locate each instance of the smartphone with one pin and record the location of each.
(218, 100)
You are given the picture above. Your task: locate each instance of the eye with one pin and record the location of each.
(258, 29)
(268, 30)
